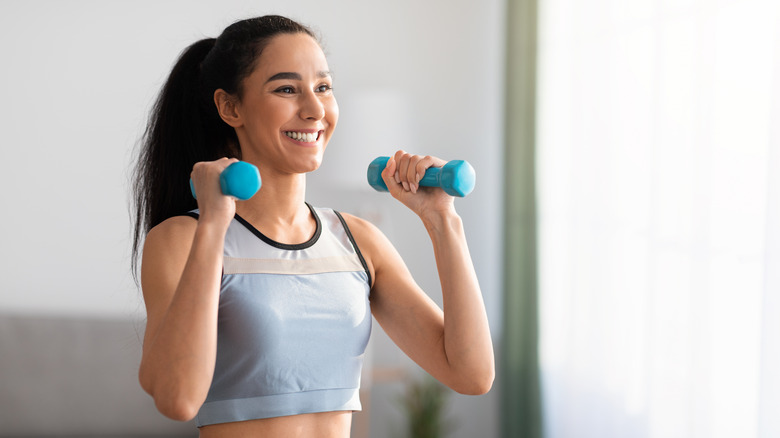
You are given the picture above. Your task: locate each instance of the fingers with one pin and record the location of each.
(205, 169)
(407, 169)
(400, 173)
(205, 176)
(389, 176)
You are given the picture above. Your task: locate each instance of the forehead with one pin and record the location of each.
(297, 53)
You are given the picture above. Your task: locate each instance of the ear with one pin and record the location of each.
(227, 108)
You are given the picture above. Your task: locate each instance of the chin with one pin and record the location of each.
(310, 166)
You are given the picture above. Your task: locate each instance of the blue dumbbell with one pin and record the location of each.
(456, 178)
(240, 180)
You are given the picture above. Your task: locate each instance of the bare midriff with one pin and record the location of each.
(321, 425)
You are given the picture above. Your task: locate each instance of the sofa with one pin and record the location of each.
(76, 377)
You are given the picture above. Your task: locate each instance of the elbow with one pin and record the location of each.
(169, 402)
(479, 384)
(476, 388)
(177, 408)
(145, 379)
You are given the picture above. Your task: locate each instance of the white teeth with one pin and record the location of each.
(302, 136)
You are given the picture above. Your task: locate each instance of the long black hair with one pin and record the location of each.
(184, 126)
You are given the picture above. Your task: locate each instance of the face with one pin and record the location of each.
(287, 112)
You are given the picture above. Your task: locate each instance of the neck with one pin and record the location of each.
(278, 209)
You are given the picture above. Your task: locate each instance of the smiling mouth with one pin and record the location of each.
(305, 137)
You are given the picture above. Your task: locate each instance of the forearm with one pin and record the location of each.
(466, 340)
(178, 361)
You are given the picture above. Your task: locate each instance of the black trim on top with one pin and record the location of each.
(192, 214)
(285, 246)
(354, 245)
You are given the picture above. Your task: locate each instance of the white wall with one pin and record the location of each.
(78, 78)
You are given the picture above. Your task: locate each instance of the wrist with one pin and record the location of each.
(439, 221)
(213, 225)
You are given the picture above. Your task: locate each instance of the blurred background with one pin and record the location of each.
(623, 225)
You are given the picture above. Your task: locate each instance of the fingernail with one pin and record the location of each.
(406, 186)
(418, 177)
(397, 177)
(414, 188)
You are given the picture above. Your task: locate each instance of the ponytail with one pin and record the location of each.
(183, 129)
(184, 126)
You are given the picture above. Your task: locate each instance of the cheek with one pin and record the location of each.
(271, 117)
(332, 111)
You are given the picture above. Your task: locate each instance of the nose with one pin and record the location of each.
(312, 107)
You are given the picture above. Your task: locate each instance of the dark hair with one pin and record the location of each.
(184, 126)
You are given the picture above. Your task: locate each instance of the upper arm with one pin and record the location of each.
(165, 254)
(411, 318)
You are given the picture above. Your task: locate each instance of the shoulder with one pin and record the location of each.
(376, 248)
(362, 230)
(172, 229)
(166, 249)
(173, 235)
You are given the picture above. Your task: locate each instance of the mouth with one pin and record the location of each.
(304, 137)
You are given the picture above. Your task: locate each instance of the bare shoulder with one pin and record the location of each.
(171, 231)
(369, 239)
(368, 236)
(361, 228)
(172, 236)
(384, 262)
(166, 249)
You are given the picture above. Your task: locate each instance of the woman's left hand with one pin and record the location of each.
(402, 176)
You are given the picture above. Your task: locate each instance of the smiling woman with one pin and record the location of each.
(259, 311)
(288, 99)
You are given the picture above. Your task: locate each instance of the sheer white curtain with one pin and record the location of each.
(659, 206)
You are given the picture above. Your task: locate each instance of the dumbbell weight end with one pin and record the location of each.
(240, 180)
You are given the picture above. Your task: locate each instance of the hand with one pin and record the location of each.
(402, 176)
(213, 205)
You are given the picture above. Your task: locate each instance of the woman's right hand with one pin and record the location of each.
(213, 205)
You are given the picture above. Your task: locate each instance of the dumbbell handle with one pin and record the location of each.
(240, 180)
(456, 178)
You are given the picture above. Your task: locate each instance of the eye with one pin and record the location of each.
(324, 88)
(285, 90)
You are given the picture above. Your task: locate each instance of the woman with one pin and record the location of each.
(259, 310)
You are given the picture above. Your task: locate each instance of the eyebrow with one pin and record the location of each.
(294, 76)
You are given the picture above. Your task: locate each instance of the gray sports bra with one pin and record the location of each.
(294, 321)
